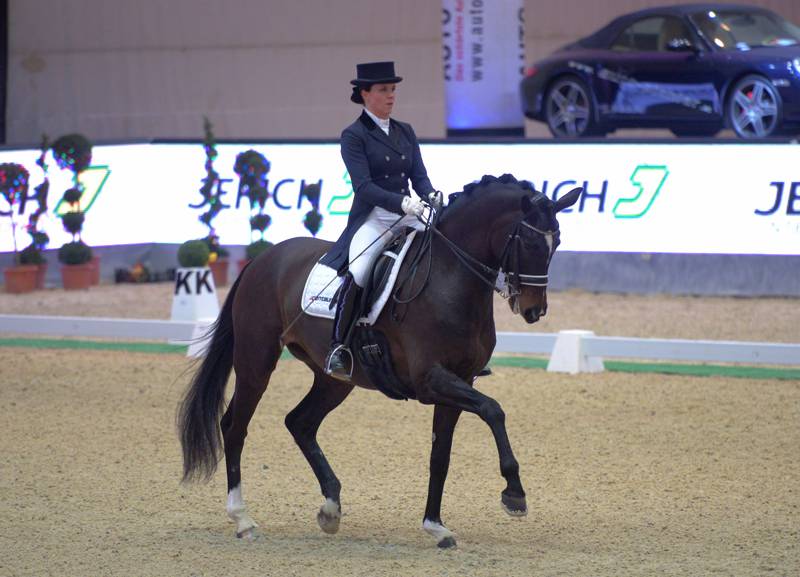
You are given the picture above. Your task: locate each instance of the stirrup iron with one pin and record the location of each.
(343, 367)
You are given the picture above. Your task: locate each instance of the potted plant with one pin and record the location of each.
(74, 152)
(252, 168)
(34, 252)
(193, 254)
(19, 277)
(212, 193)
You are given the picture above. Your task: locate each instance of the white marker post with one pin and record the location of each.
(195, 299)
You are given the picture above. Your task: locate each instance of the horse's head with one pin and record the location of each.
(530, 247)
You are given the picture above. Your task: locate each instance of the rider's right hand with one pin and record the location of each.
(412, 206)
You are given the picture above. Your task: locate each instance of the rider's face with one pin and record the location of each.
(379, 99)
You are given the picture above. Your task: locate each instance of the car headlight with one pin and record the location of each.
(796, 66)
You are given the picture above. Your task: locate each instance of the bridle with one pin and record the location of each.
(508, 280)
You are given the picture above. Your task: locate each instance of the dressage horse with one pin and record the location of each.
(498, 234)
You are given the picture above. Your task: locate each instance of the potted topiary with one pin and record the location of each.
(33, 253)
(212, 193)
(77, 270)
(19, 277)
(252, 168)
(74, 152)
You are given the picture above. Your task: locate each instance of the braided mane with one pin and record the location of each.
(487, 181)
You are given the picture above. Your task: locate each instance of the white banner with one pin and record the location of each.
(642, 198)
(483, 63)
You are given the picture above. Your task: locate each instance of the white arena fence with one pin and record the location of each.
(569, 351)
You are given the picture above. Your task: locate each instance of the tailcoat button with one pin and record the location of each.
(402, 174)
(387, 159)
(402, 157)
(386, 176)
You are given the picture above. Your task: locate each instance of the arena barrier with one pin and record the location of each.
(677, 217)
(569, 351)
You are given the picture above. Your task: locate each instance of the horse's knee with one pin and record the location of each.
(491, 411)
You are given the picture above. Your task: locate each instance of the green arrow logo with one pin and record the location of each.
(93, 179)
(648, 180)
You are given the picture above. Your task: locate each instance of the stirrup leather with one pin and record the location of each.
(339, 363)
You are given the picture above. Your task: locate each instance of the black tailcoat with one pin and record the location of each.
(380, 167)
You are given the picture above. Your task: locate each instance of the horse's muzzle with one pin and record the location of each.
(533, 314)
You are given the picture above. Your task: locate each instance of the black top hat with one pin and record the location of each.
(375, 73)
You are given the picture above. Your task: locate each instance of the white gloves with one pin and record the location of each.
(412, 206)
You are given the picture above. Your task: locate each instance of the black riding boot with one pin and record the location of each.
(339, 363)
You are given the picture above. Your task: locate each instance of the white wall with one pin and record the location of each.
(116, 69)
(258, 68)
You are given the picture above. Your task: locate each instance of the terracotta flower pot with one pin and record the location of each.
(95, 262)
(242, 263)
(219, 268)
(20, 278)
(41, 274)
(77, 276)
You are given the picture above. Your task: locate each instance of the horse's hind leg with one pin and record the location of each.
(251, 382)
(303, 422)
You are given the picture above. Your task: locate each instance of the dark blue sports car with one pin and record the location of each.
(694, 69)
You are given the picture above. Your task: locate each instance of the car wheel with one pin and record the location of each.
(754, 108)
(694, 132)
(568, 109)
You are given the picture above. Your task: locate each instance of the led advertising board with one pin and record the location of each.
(641, 198)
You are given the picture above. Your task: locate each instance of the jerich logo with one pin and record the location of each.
(648, 180)
(93, 179)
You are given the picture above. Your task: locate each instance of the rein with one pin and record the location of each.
(507, 280)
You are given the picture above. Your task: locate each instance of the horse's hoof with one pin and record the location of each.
(446, 543)
(247, 534)
(514, 506)
(329, 516)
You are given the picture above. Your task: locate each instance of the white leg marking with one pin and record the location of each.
(330, 508)
(549, 239)
(436, 530)
(236, 511)
(329, 516)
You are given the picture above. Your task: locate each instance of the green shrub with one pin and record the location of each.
(31, 255)
(74, 253)
(260, 222)
(73, 195)
(256, 248)
(73, 222)
(193, 253)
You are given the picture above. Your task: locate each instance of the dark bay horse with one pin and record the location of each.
(445, 338)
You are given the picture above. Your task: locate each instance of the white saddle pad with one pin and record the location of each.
(322, 284)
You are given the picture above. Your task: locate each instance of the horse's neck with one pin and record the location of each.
(480, 227)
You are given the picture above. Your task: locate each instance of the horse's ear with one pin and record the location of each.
(568, 199)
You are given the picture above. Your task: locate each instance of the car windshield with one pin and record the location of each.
(740, 30)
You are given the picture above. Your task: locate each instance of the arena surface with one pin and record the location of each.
(626, 474)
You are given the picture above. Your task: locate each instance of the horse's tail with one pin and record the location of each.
(200, 410)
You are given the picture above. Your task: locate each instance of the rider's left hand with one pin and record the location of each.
(436, 198)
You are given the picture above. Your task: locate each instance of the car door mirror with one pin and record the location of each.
(681, 45)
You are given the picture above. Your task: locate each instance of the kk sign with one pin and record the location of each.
(195, 296)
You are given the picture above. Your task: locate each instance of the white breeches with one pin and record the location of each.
(376, 225)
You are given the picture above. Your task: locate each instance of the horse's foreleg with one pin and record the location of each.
(442, 387)
(303, 423)
(444, 423)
